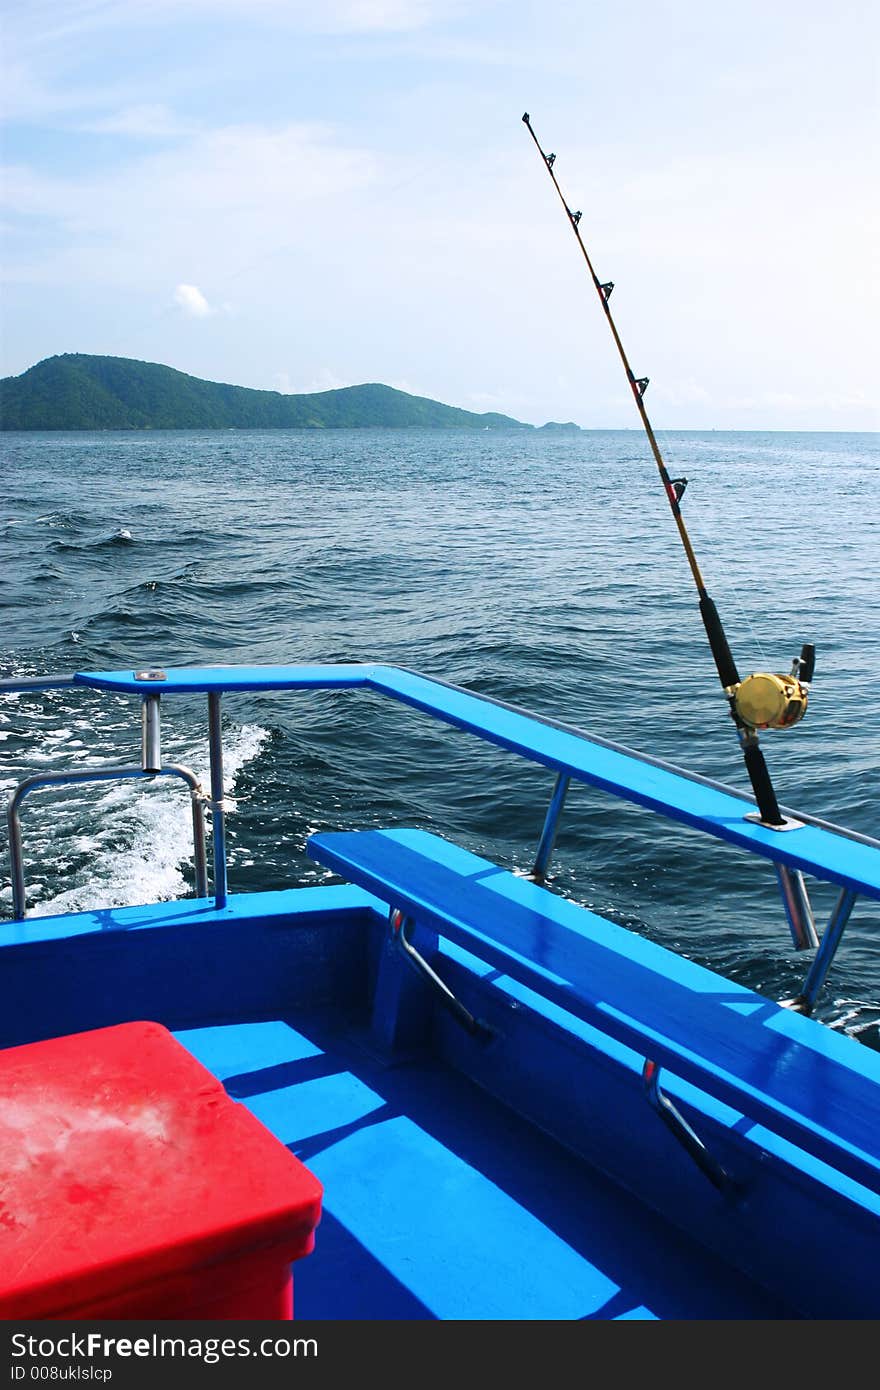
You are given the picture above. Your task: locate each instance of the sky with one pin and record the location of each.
(300, 196)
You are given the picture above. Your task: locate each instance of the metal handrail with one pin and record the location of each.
(105, 774)
(367, 676)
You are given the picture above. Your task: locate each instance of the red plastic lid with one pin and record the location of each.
(123, 1160)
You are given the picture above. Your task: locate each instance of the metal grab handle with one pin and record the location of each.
(397, 923)
(105, 774)
(682, 1131)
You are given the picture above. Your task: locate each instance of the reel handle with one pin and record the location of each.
(806, 663)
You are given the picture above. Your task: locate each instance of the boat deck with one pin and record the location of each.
(441, 1203)
(463, 1178)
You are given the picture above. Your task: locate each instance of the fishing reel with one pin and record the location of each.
(765, 701)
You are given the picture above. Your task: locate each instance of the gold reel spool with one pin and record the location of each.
(765, 701)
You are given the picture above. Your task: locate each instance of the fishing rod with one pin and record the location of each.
(762, 700)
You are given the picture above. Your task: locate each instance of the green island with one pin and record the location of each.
(81, 391)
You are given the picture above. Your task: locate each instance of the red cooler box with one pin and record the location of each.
(132, 1186)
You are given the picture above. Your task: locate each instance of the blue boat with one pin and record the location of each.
(515, 1108)
(501, 1104)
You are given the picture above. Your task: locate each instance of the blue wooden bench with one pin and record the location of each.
(784, 1071)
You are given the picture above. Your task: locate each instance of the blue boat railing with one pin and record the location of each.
(804, 845)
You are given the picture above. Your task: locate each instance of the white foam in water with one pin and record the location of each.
(154, 822)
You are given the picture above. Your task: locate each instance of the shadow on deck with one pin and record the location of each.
(439, 1202)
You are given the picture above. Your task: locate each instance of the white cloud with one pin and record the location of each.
(190, 299)
(228, 200)
(145, 120)
(50, 46)
(46, 22)
(395, 15)
(325, 379)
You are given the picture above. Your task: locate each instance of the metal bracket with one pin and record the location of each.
(551, 825)
(224, 806)
(804, 1002)
(787, 823)
(397, 923)
(682, 1131)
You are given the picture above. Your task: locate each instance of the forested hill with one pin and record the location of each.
(77, 391)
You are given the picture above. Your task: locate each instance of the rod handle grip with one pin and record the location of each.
(724, 661)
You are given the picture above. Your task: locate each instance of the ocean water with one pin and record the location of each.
(540, 569)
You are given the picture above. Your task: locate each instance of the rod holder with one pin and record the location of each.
(151, 734)
(797, 907)
(218, 815)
